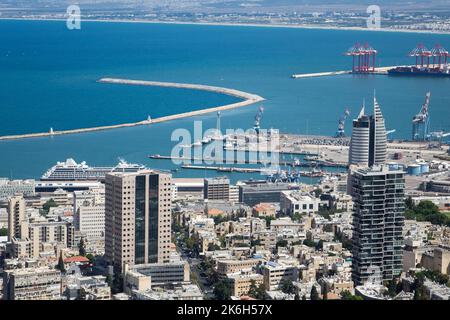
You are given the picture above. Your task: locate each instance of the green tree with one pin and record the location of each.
(252, 291)
(60, 266)
(317, 192)
(213, 247)
(47, 205)
(319, 245)
(309, 243)
(281, 243)
(222, 290)
(346, 295)
(409, 203)
(91, 258)
(82, 248)
(314, 294)
(109, 280)
(287, 286)
(3, 232)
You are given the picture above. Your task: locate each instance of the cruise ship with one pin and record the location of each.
(73, 171)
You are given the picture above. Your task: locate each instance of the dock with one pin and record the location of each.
(224, 169)
(248, 99)
(378, 70)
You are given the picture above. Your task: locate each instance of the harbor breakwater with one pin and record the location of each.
(248, 99)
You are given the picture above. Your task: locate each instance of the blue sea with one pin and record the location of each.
(48, 79)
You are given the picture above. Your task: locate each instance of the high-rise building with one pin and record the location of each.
(368, 144)
(137, 218)
(16, 216)
(378, 219)
(89, 214)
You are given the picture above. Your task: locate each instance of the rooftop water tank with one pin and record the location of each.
(424, 167)
(414, 169)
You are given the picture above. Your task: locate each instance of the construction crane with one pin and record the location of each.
(341, 124)
(421, 121)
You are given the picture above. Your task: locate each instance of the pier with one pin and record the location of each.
(248, 99)
(378, 70)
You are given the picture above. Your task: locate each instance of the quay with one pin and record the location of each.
(264, 171)
(248, 99)
(224, 160)
(378, 70)
(224, 169)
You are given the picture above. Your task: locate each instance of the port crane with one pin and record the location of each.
(421, 121)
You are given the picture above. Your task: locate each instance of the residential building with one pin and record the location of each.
(379, 205)
(32, 284)
(295, 202)
(274, 273)
(240, 283)
(16, 216)
(9, 188)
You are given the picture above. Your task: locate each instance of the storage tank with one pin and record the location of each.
(414, 169)
(393, 166)
(424, 167)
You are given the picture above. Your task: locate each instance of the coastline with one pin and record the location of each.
(248, 99)
(230, 24)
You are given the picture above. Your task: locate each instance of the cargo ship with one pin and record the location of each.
(420, 71)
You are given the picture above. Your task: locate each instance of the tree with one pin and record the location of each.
(46, 206)
(287, 286)
(81, 248)
(346, 295)
(314, 294)
(3, 232)
(91, 258)
(109, 280)
(319, 245)
(60, 266)
(213, 247)
(309, 243)
(253, 289)
(317, 192)
(222, 290)
(117, 284)
(281, 243)
(409, 203)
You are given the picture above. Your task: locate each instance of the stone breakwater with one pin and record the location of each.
(248, 99)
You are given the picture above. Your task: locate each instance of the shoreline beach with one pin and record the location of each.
(229, 24)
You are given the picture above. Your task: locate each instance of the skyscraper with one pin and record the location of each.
(379, 205)
(137, 218)
(368, 144)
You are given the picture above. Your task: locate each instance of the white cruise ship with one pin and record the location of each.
(72, 171)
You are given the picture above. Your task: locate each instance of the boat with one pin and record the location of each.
(420, 71)
(70, 170)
